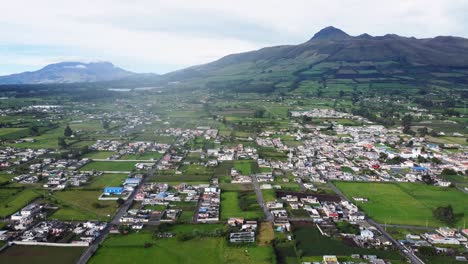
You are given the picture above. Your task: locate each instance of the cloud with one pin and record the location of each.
(148, 35)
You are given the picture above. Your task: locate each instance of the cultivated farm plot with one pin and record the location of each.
(240, 204)
(11, 200)
(80, 205)
(144, 156)
(312, 243)
(40, 254)
(406, 203)
(109, 166)
(207, 250)
(98, 155)
(105, 180)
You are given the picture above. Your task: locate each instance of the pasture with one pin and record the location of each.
(240, 204)
(109, 166)
(209, 250)
(81, 205)
(13, 199)
(406, 203)
(40, 254)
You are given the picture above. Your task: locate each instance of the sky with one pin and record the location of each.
(165, 35)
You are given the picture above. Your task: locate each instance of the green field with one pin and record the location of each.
(246, 167)
(107, 179)
(11, 200)
(13, 133)
(240, 204)
(109, 166)
(40, 255)
(98, 154)
(406, 203)
(78, 205)
(312, 243)
(208, 250)
(144, 156)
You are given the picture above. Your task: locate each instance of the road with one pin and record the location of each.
(258, 191)
(406, 251)
(88, 253)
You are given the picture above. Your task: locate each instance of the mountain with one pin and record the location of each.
(330, 33)
(333, 56)
(69, 72)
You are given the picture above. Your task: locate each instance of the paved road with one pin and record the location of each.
(88, 253)
(258, 191)
(406, 251)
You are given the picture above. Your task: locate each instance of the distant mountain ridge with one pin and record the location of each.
(69, 72)
(332, 54)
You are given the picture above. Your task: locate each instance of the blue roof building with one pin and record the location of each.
(132, 181)
(419, 168)
(113, 190)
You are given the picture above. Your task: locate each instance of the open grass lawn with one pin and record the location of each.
(240, 204)
(406, 203)
(78, 205)
(269, 195)
(144, 156)
(11, 200)
(193, 179)
(209, 250)
(14, 133)
(105, 180)
(48, 139)
(246, 167)
(272, 154)
(40, 254)
(312, 243)
(109, 166)
(98, 154)
(5, 178)
(196, 170)
(224, 168)
(266, 233)
(188, 208)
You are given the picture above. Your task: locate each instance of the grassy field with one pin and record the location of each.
(13, 133)
(312, 243)
(144, 156)
(240, 204)
(109, 166)
(78, 205)
(11, 200)
(406, 203)
(98, 155)
(246, 167)
(40, 255)
(47, 140)
(107, 179)
(208, 250)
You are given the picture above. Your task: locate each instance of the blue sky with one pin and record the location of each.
(165, 35)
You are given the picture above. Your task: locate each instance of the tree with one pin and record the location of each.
(423, 131)
(105, 124)
(34, 131)
(444, 214)
(120, 201)
(427, 251)
(68, 132)
(406, 123)
(341, 94)
(259, 113)
(426, 178)
(62, 143)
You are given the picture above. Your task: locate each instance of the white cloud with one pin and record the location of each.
(176, 33)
